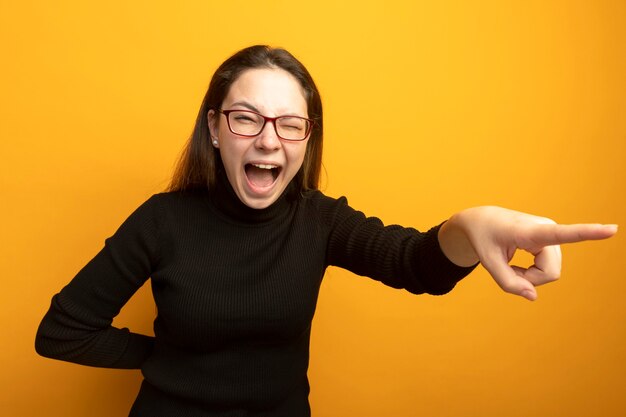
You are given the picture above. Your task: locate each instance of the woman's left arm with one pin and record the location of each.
(491, 235)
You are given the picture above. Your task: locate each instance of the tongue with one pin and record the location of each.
(259, 176)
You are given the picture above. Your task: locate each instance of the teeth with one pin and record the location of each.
(264, 166)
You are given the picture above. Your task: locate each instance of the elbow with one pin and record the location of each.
(56, 333)
(54, 337)
(45, 345)
(42, 348)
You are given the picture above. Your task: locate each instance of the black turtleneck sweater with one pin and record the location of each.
(235, 289)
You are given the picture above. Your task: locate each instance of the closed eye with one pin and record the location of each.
(292, 123)
(244, 118)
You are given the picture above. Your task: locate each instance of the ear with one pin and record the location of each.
(213, 130)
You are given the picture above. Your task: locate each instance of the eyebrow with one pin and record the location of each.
(253, 108)
(246, 105)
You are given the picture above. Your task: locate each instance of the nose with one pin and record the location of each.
(268, 139)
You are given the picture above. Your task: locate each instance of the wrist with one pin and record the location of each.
(454, 242)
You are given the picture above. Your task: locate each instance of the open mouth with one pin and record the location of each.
(262, 175)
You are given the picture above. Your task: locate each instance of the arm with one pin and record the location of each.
(77, 328)
(400, 257)
(491, 235)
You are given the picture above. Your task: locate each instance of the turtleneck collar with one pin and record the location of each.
(224, 198)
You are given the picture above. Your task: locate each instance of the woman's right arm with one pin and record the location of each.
(77, 327)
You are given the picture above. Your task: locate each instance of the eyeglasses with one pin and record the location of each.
(249, 123)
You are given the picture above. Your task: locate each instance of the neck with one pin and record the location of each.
(226, 200)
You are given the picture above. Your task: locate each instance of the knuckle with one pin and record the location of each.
(552, 276)
(545, 220)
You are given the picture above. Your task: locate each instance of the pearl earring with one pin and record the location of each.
(214, 142)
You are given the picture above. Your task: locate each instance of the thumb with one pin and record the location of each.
(509, 278)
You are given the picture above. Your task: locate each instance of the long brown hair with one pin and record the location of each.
(199, 161)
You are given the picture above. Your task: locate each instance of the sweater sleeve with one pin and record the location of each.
(77, 327)
(400, 257)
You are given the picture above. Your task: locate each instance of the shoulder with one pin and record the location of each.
(179, 196)
(169, 206)
(318, 200)
(330, 209)
(177, 200)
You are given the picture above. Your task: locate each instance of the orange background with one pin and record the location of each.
(430, 107)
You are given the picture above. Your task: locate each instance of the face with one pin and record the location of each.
(259, 168)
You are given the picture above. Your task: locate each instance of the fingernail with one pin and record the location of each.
(529, 295)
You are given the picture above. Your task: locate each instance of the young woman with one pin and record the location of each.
(237, 247)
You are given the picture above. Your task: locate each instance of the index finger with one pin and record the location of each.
(556, 234)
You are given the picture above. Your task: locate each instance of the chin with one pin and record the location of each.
(258, 198)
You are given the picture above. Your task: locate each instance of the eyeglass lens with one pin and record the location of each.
(248, 123)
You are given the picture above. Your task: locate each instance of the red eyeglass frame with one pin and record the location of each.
(266, 119)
